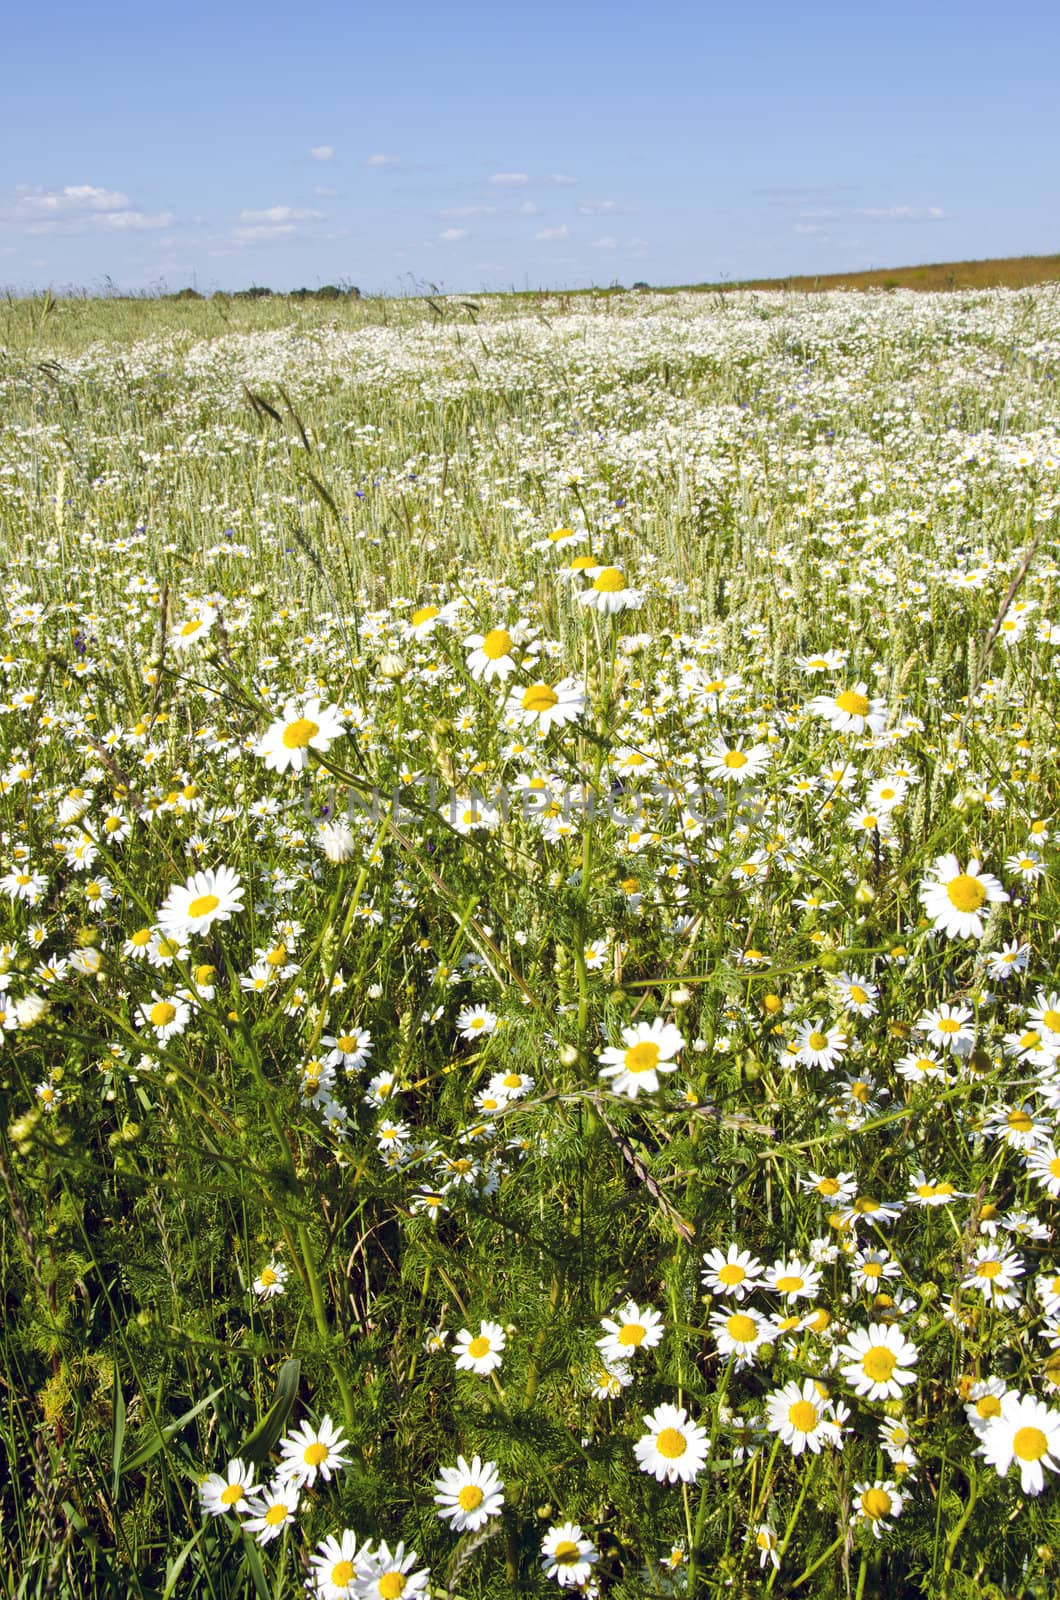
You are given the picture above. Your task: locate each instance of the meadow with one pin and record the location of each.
(529, 1016)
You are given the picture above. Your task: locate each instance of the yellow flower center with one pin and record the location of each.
(741, 1328)
(803, 1416)
(989, 1269)
(424, 614)
(470, 1497)
(341, 1573)
(203, 904)
(872, 1269)
(828, 1186)
(789, 1283)
(161, 1013)
(731, 1273)
(878, 1363)
(205, 973)
(478, 1347)
(315, 1453)
(642, 1057)
(277, 956)
(276, 1514)
(392, 1585)
(858, 995)
(268, 1277)
(734, 759)
(988, 1406)
(191, 627)
(854, 704)
(539, 697)
(559, 534)
(875, 1503)
(141, 938)
(610, 581)
(1020, 1122)
(817, 1040)
(632, 1334)
(965, 892)
(580, 563)
(1051, 1020)
(232, 1495)
(297, 734)
(1029, 1444)
(496, 644)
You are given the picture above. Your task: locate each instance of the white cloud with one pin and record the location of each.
(528, 209)
(73, 198)
(77, 208)
(323, 152)
(449, 235)
(561, 232)
(381, 160)
(559, 177)
(137, 219)
(608, 242)
(281, 214)
(251, 235)
(598, 208)
(901, 214)
(510, 179)
(468, 211)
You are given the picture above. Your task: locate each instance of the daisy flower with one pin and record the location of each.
(333, 1566)
(469, 1495)
(568, 1556)
(1025, 1431)
(349, 1049)
(834, 1188)
(206, 898)
(306, 1451)
(949, 1027)
(994, 1273)
(953, 897)
(481, 1352)
(607, 1382)
(648, 1050)
(609, 592)
(196, 628)
(305, 725)
(491, 655)
(817, 1047)
(631, 1329)
(801, 1415)
(732, 1272)
(272, 1509)
(673, 1448)
(385, 1574)
(219, 1494)
(543, 706)
(740, 1334)
(878, 1361)
(984, 1403)
(270, 1280)
(851, 710)
(730, 764)
(878, 1504)
(794, 1279)
(475, 1022)
(167, 1016)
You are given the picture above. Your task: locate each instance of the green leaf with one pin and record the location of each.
(258, 1444)
(162, 1436)
(119, 1435)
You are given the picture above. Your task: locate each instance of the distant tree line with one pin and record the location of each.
(327, 291)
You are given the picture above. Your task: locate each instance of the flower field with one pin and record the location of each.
(529, 1005)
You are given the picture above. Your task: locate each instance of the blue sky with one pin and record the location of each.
(476, 146)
